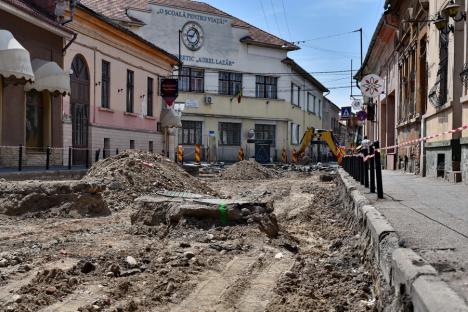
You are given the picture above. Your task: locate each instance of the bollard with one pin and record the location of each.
(361, 167)
(116, 151)
(371, 170)
(355, 167)
(378, 170)
(20, 157)
(366, 169)
(48, 158)
(69, 158)
(87, 158)
(96, 156)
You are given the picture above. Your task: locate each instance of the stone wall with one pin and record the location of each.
(431, 159)
(464, 163)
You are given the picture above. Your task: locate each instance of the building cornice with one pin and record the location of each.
(40, 22)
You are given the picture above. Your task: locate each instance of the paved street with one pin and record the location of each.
(430, 216)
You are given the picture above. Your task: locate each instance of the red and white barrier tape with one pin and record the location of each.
(460, 129)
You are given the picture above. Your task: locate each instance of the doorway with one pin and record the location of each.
(79, 101)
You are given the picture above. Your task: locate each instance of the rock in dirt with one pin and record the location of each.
(326, 178)
(87, 267)
(248, 170)
(131, 261)
(189, 254)
(3, 263)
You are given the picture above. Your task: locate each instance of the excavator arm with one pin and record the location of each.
(324, 135)
(336, 150)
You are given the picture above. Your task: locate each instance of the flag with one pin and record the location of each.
(238, 95)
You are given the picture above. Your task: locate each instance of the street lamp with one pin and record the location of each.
(440, 23)
(452, 10)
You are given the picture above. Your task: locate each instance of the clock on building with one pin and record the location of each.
(192, 36)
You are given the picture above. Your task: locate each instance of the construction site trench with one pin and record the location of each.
(138, 233)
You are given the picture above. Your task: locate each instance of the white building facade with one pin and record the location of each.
(236, 80)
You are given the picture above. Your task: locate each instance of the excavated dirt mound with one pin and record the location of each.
(135, 173)
(50, 198)
(248, 170)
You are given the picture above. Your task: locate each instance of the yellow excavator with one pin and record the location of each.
(312, 134)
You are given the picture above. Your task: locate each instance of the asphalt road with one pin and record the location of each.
(431, 217)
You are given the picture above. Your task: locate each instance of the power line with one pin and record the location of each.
(264, 15)
(276, 18)
(323, 37)
(286, 19)
(343, 53)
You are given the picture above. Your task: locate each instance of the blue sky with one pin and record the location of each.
(312, 19)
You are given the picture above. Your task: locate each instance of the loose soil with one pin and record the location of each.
(134, 173)
(248, 170)
(107, 263)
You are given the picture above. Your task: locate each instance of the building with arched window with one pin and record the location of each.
(114, 102)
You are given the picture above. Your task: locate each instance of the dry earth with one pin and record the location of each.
(54, 262)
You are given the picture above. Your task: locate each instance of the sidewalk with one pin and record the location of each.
(431, 217)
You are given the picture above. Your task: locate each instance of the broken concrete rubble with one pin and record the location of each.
(162, 210)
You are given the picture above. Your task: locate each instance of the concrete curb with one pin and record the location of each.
(404, 270)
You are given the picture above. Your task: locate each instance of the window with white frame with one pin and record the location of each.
(266, 87)
(294, 133)
(295, 94)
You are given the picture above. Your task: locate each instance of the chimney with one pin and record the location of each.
(46, 6)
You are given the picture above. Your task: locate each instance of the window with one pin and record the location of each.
(265, 133)
(319, 108)
(192, 80)
(105, 84)
(106, 151)
(150, 146)
(130, 90)
(295, 94)
(266, 87)
(229, 133)
(310, 102)
(34, 119)
(150, 93)
(294, 133)
(132, 144)
(230, 83)
(191, 133)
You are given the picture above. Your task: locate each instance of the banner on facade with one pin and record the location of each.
(169, 90)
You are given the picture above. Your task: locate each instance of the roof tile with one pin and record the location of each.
(117, 9)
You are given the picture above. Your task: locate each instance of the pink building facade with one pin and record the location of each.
(114, 103)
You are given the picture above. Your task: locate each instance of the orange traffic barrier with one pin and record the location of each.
(197, 153)
(180, 154)
(241, 155)
(284, 156)
(294, 155)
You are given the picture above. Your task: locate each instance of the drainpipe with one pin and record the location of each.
(422, 157)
